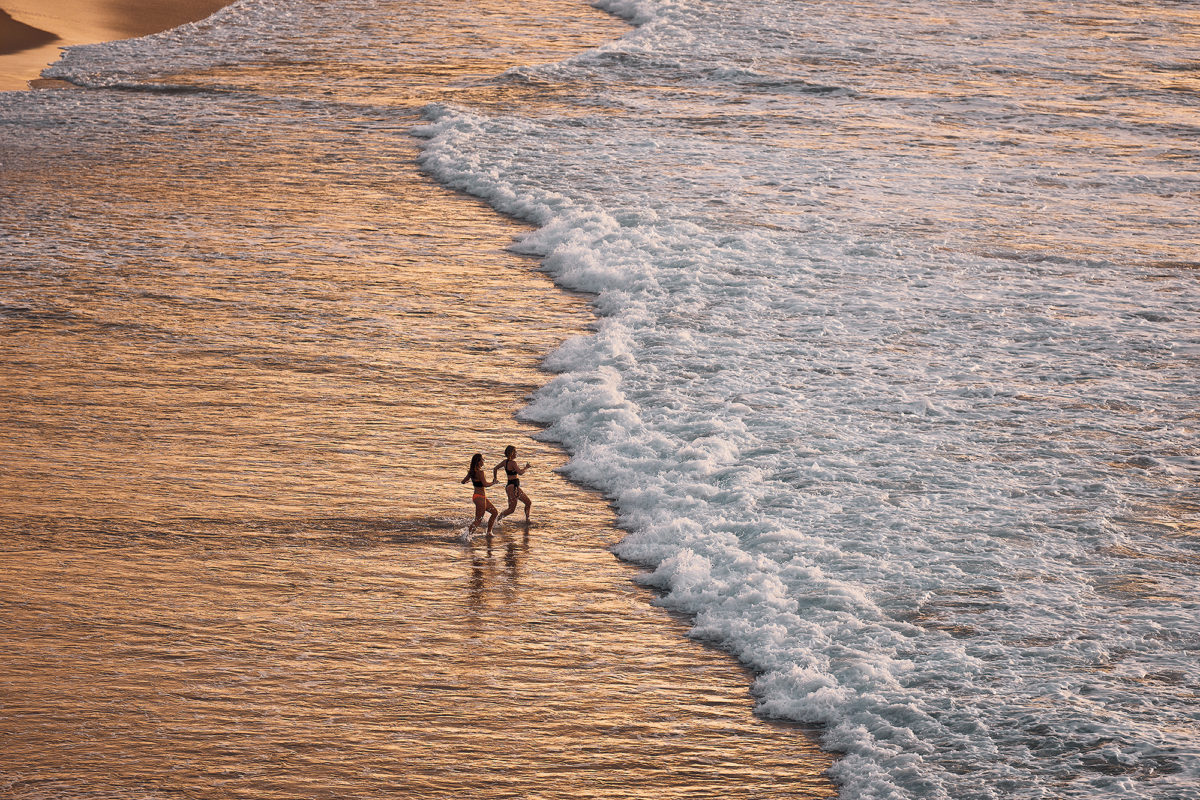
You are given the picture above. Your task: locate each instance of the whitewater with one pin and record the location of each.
(894, 385)
(894, 380)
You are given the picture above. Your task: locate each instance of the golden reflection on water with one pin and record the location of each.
(424, 668)
(458, 57)
(202, 404)
(242, 380)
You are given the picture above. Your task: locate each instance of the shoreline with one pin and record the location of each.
(33, 32)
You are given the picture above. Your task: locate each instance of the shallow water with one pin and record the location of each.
(367, 658)
(894, 376)
(247, 351)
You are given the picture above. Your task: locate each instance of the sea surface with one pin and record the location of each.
(895, 381)
(247, 349)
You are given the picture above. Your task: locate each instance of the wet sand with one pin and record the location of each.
(33, 31)
(234, 424)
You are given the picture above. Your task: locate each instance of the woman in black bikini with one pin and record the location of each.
(513, 487)
(479, 480)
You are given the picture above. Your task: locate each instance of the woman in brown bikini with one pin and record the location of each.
(513, 487)
(479, 480)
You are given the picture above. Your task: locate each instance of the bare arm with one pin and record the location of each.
(515, 468)
(482, 477)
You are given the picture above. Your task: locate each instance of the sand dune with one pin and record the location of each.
(33, 31)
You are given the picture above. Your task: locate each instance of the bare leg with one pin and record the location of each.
(480, 506)
(524, 499)
(492, 519)
(512, 492)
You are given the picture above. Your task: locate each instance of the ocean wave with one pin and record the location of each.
(870, 465)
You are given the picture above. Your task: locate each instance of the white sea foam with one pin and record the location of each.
(907, 425)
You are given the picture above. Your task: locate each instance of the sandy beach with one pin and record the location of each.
(32, 31)
(16, 36)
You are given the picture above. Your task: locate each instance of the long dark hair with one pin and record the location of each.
(476, 463)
